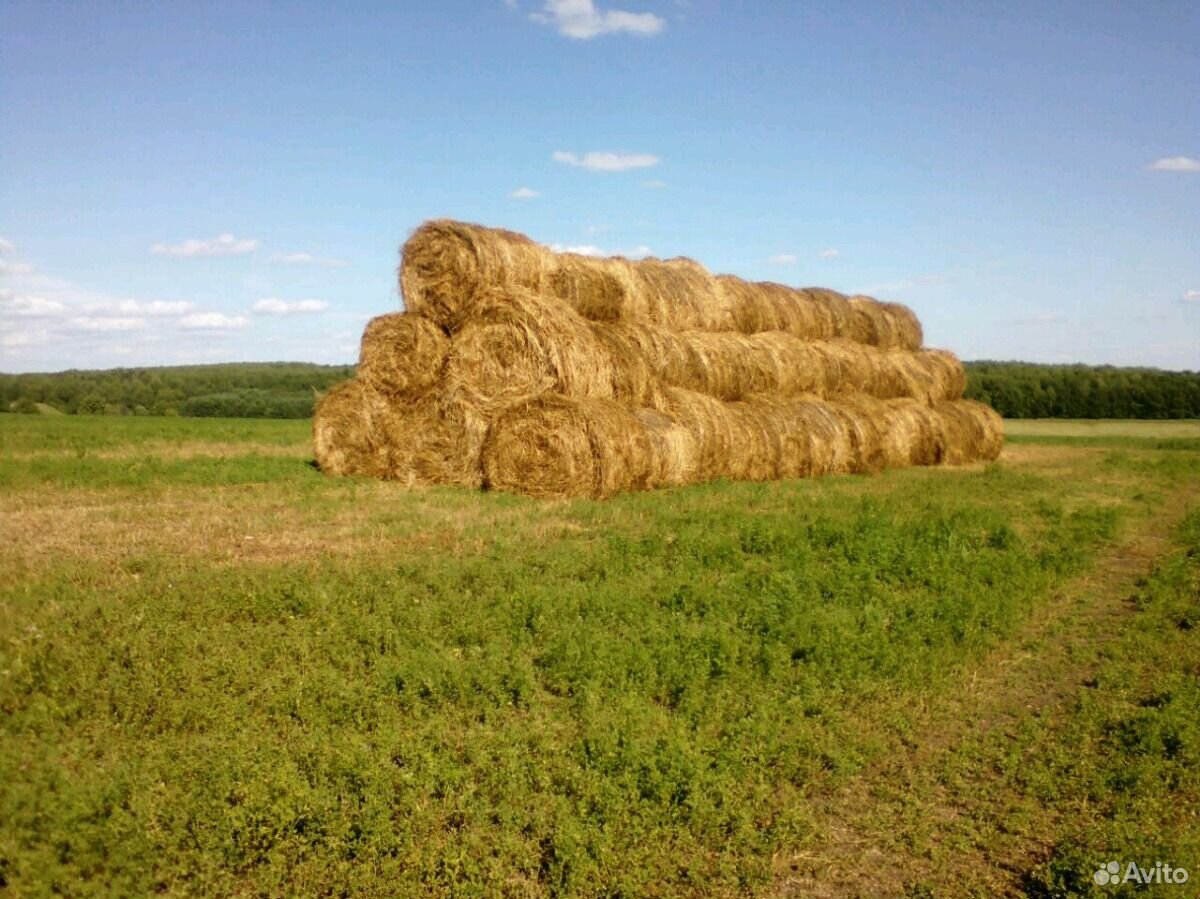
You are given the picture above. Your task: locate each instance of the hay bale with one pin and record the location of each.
(350, 435)
(974, 432)
(556, 447)
(448, 265)
(359, 431)
(519, 345)
(435, 441)
(402, 354)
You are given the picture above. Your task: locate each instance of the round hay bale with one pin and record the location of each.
(402, 354)
(447, 265)
(974, 432)
(600, 289)
(518, 345)
(679, 294)
(434, 441)
(556, 447)
(862, 418)
(350, 431)
(674, 451)
(948, 373)
(829, 443)
(359, 431)
(911, 434)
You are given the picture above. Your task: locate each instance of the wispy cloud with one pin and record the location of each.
(29, 306)
(221, 245)
(586, 249)
(829, 253)
(582, 20)
(307, 259)
(9, 268)
(1175, 164)
(213, 321)
(524, 193)
(275, 306)
(782, 259)
(154, 308)
(49, 322)
(602, 161)
(638, 252)
(7, 247)
(106, 323)
(1191, 296)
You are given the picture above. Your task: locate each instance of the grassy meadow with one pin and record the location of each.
(224, 674)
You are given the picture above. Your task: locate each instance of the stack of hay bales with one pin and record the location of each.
(553, 374)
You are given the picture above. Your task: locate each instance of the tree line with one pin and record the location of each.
(1028, 390)
(234, 390)
(289, 390)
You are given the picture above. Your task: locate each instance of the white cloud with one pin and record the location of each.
(782, 259)
(1175, 164)
(17, 340)
(1191, 296)
(639, 252)
(106, 323)
(28, 306)
(830, 253)
(212, 321)
(654, 184)
(524, 193)
(306, 259)
(221, 245)
(8, 268)
(156, 308)
(579, 249)
(275, 306)
(581, 20)
(7, 247)
(601, 161)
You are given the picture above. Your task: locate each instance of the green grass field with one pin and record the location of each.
(224, 674)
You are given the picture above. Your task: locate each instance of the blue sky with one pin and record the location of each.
(193, 182)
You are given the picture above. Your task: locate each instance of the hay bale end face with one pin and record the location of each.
(558, 375)
(402, 355)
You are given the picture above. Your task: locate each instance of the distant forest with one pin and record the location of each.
(1027, 390)
(289, 390)
(237, 390)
